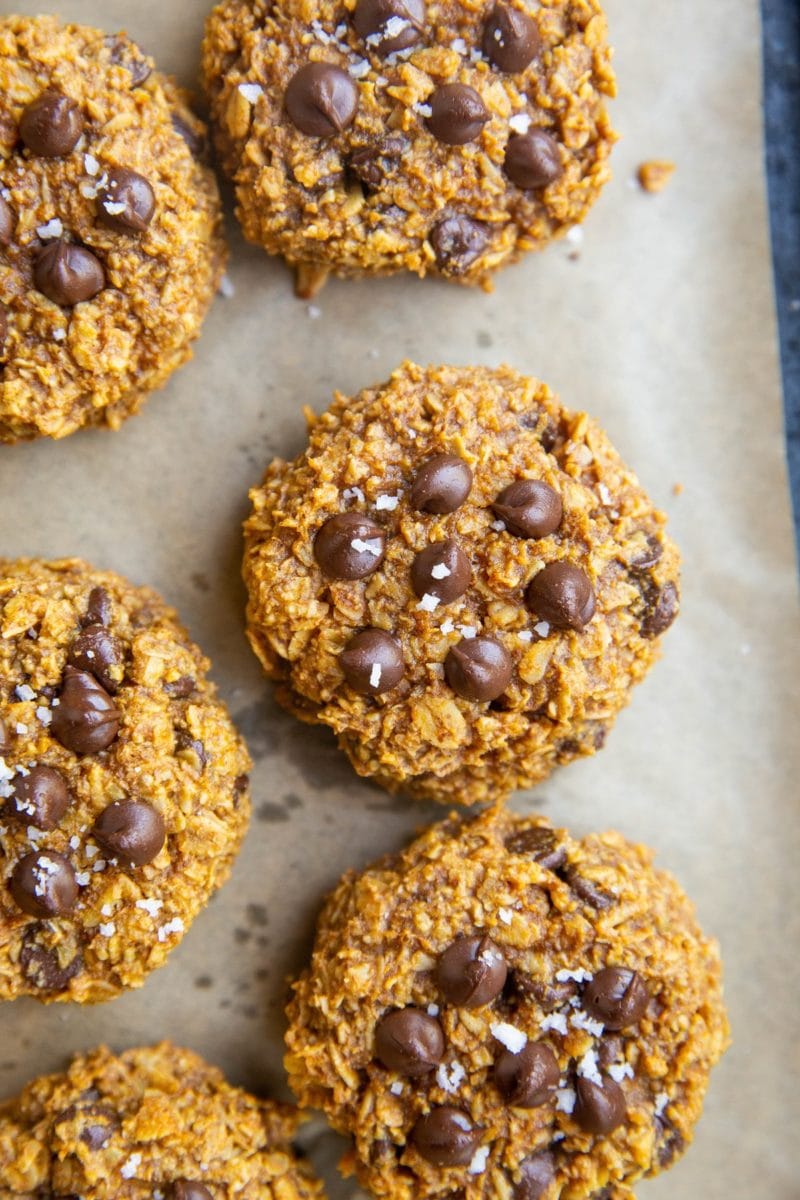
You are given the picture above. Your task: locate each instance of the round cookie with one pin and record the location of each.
(123, 793)
(158, 1123)
(111, 244)
(502, 1010)
(461, 578)
(375, 136)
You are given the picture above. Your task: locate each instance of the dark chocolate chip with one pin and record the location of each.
(541, 844)
(617, 996)
(126, 203)
(349, 546)
(189, 1189)
(98, 608)
(39, 798)
(410, 1041)
(100, 653)
(373, 164)
(86, 720)
(549, 996)
(185, 741)
(457, 114)
(372, 662)
(240, 784)
(442, 570)
(130, 830)
(43, 884)
(609, 1050)
(98, 1123)
(196, 141)
(510, 39)
(43, 968)
(532, 160)
(529, 1078)
(457, 242)
(649, 557)
(562, 595)
(5, 740)
(529, 508)
(125, 53)
(68, 274)
(389, 25)
(471, 972)
(536, 1174)
(478, 668)
(599, 1108)
(321, 99)
(182, 688)
(661, 611)
(587, 890)
(671, 1143)
(441, 485)
(446, 1137)
(51, 126)
(6, 222)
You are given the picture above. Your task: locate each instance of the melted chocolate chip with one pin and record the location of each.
(189, 1189)
(478, 668)
(68, 274)
(42, 966)
(532, 160)
(372, 662)
(132, 831)
(349, 546)
(39, 798)
(587, 890)
(51, 126)
(126, 203)
(6, 222)
(195, 140)
(457, 114)
(457, 242)
(86, 720)
(43, 884)
(529, 508)
(599, 1108)
(321, 99)
(536, 1174)
(510, 39)
(446, 1137)
(529, 1078)
(98, 608)
(100, 653)
(617, 996)
(389, 25)
(609, 1050)
(410, 1041)
(373, 164)
(541, 844)
(441, 485)
(471, 972)
(562, 595)
(661, 611)
(125, 53)
(442, 570)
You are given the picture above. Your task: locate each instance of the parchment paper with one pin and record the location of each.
(662, 327)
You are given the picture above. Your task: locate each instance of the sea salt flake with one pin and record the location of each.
(108, 930)
(424, 110)
(581, 1020)
(107, 910)
(604, 493)
(173, 926)
(525, 635)
(74, 842)
(114, 208)
(509, 1036)
(6, 772)
(542, 628)
(375, 675)
(432, 1010)
(21, 728)
(374, 546)
(353, 493)
(498, 526)
(579, 975)
(151, 907)
(91, 850)
(556, 1021)
(91, 165)
(446, 626)
(620, 1071)
(389, 503)
(251, 91)
(53, 229)
(100, 865)
(459, 45)
(662, 1100)
(24, 691)
(440, 571)
(565, 1099)
(44, 715)
(506, 915)
(462, 1122)
(468, 632)
(129, 1167)
(83, 878)
(478, 1163)
(428, 602)
(396, 1088)
(520, 122)
(587, 1068)
(450, 1078)
(392, 29)
(359, 68)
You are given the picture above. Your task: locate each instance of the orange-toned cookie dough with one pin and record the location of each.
(123, 792)
(505, 1012)
(111, 243)
(374, 136)
(152, 1124)
(460, 577)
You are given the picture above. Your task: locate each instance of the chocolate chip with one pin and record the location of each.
(529, 1078)
(98, 1123)
(446, 1137)
(536, 1175)
(478, 668)
(529, 508)
(185, 741)
(510, 39)
(471, 972)
(42, 966)
(189, 1189)
(195, 140)
(39, 798)
(126, 203)
(68, 274)
(372, 662)
(130, 830)
(3, 326)
(373, 164)
(441, 485)
(410, 1041)
(349, 546)
(532, 159)
(321, 99)
(457, 114)
(442, 570)
(609, 1050)
(587, 890)
(549, 996)
(51, 126)
(100, 653)
(98, 608)
(86, 720)
(125, 53)
(672, 1145)
(6, 222)
(182, 688)
(5, 740)
(562, 595)
(389, 25)
(541, 844)
(599, 1108)
(649, 557)
(457, 242)
(617, 996)
(43, 884)
(240, 784)
(661, 611)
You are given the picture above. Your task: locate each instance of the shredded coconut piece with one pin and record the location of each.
(173, 926)
(478, 1164)
(581, 1020)
(353, 493)
(428, 602)
(579, 975)
(251, 91)
(440, 571)
(587, 1067)
(506, 915)
(450, 1078)
(151, 907)
(620, 1071)
(662, 1100)
(565, 1099)
(520, 122)
(373, 546)
(512, 1038)
(375, 675)
(53, 229)
(91, 165)
(556, 1021)
(359, 68)
(389, 503)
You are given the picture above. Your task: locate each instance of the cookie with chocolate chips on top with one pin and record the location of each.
(123, 786)
(480, 1027)
(367, 137)
(111, 244)
(461, 578)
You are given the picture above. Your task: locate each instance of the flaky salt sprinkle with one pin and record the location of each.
(424, 110)
(542, 628)
(74, 842)
(151, 907)
(251, 91)
(565, 1099)
(374, 546)
(459, 45)
(24, 691)
(83, 878)
(21, 728)
(114, 208)
(173, 926)
(130, 1166)
(620, 1071)
(581, 1020)
(479, 1159)
(446, 626)
(506, 915)
(90, 164)
(509, 1036)
(432, 1010)
(520, 122)
(353, 493)
(388, 31)
(6, 772)
(106, 910)
(450, 1078)
(358, 69)
(525, 635)
(440, 571)
(389, 504)
(498, 526)
(396, 1088)
(662, 1100)
(587, 1068)
(100, 865)
(428, 602)
(43, 715)
(53, 229)
(468, 632)
(91, 850)
(578, 975)
(556, 1021)
(375, 675)
(108, 930)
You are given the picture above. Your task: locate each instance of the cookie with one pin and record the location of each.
(111, 243)
(158, 1123)
(375, 136)
(461, 578)
(503, 1010)
(123, 786)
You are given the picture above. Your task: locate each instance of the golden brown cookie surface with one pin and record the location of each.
(123, 793)
(152, 1124)
(385, 135)
(110, 229)
(502, 1010)
(461, 578)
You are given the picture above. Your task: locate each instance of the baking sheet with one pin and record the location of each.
(661, 324)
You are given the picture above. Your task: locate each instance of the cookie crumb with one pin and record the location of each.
(654, 175)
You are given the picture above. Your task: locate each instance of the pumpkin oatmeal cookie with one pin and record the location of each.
(461, 578)
(123, 793)
(111, 242)
(375, 136)
(152, 1124)
(505, 1011)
